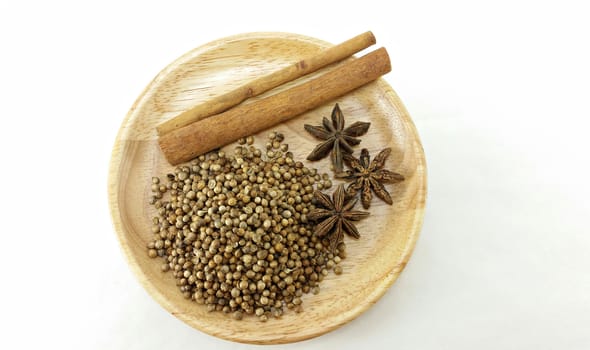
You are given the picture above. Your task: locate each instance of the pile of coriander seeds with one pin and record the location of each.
(233, 231)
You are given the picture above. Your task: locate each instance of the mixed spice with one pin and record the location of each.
(249, 233)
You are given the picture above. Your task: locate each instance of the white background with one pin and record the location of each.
(499, 92)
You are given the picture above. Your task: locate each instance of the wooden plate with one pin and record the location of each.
(388, 236)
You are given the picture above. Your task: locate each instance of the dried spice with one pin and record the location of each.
(337, 140)
(336, 216)
(233, 231)
(368, 176)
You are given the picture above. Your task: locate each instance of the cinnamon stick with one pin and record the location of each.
(258, 86)
(205, 135)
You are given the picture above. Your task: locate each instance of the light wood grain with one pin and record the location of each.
(373, 262)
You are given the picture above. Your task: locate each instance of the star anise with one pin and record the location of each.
(368, 176)
(337, 139)
(336, 215)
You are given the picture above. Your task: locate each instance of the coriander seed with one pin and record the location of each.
(232, 229)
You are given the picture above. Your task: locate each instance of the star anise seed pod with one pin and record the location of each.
(337, 139)
(336, 216)
(368, 177)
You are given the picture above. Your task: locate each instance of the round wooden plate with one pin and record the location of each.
(388, 236)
